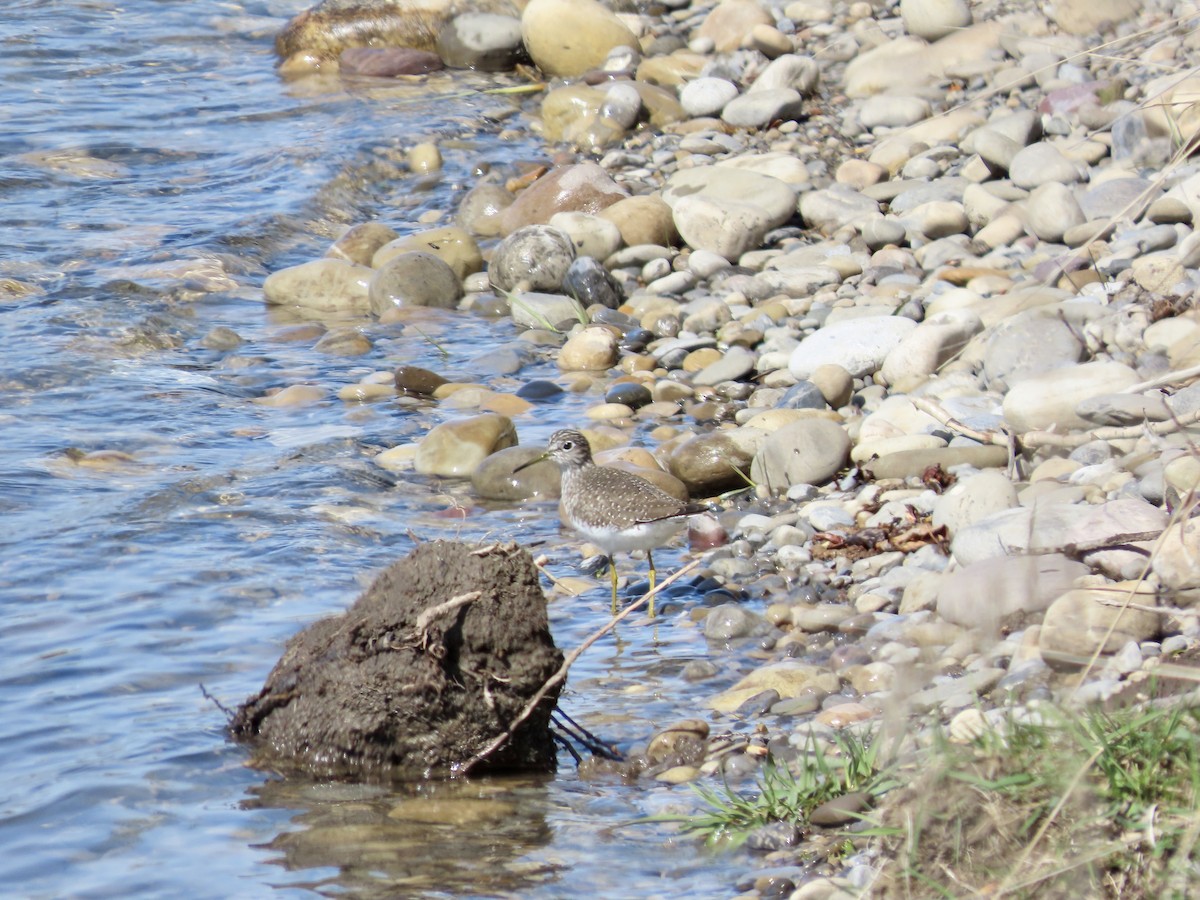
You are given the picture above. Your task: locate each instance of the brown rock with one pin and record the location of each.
(711, 463)
(388, 62)
(682, 742)
(417, 381)
(359, 243)
(645, 219)
(330, 27)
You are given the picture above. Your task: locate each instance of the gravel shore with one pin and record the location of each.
(905, 289)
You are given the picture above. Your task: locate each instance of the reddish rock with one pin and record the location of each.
(388, 62)
(576, 188)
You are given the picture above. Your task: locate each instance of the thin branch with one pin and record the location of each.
(425, 619)
(1110, 433)
(1003, 437)
(1163, 380)
(217, 703)
(1176, 611)
(464, 768)
(943, 416)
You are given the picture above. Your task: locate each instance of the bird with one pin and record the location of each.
(614, 509)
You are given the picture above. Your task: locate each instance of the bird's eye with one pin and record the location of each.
(568, 445)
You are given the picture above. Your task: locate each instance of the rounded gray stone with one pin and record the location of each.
(414, 279)
(1026, 345)
(484, 41)
(1041, 163)
(810, 451)
(538, 255)
(756, 109)
(1051, 211)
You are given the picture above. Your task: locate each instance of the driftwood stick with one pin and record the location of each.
(1108, 433)
(425, 619)
(560, 676)
(998, 438)
(1163, 380)
(1144, 607)
(1004, 438)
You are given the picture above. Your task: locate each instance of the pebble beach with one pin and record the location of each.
(904, 291)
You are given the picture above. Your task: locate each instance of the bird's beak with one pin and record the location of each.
(536, 459)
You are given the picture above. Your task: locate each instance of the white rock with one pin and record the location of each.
(933, 19)
(800, 73)
(928, 346)
(1082, 621)
(832, 208)
(1042, 163)
(892, 111)
(895, 65)
(755, 109)
(727, 211)
(1056, 525)
(1051, 210)
(1177, 562)
(592, 236)
(706, 96)
(1050, 399)
(857, 345)
(983, 594)
(973, 498)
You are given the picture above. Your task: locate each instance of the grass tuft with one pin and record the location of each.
(790, 793)
(1091, 804)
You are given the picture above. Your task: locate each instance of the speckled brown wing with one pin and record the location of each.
(614, 498)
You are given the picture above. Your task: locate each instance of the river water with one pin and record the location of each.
(161, 531)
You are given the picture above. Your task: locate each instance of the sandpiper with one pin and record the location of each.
(614, 509)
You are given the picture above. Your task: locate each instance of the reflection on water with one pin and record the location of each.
(383, 842)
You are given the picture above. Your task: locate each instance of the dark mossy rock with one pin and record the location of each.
(436, 659)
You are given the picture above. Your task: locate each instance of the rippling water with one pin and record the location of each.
(160, 531)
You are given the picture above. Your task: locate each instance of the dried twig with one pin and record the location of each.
(1163, 380)
(425, 619)
(464, 768)
(939, 412)
(1108, 433)
(1176, 611)
(229, 713)
(1005, 438)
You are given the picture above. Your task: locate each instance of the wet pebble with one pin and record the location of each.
(590, 283)
(456, 448)
(414, 279)
(479, 40)
(536, 256)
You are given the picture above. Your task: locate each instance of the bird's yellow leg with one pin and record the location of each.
(612, 567)
(650, 609)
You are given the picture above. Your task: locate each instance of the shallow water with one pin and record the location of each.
(161, 532)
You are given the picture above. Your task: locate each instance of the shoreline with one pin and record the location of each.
(936, 307)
